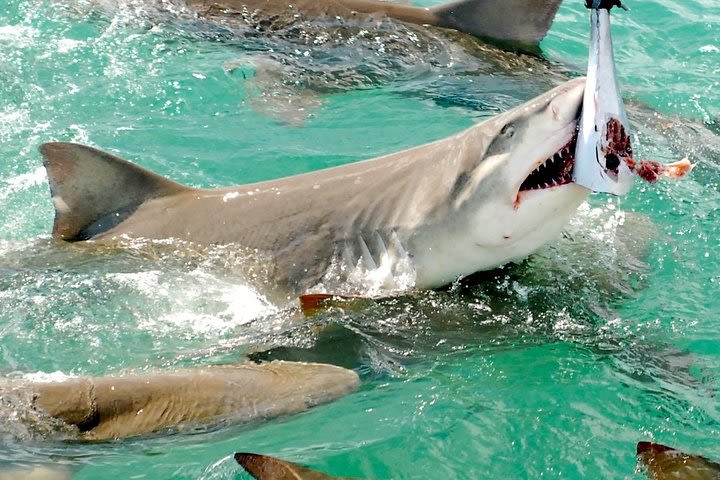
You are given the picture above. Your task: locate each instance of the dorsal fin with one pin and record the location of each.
(94, 191)
(521, 23)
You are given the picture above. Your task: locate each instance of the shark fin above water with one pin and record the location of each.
(666, 463)
(264, 467)
(522, 21)
(93, 191)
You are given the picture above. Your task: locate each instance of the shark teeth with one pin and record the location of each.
(554, 171)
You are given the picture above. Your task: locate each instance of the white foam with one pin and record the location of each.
(230, 196)
(65, 45)
(147, 283)
(45, 377)
(242, 305)
(567, 324)
(27, 180)
(232, 303)
(18, 36)
(14, 122)
(81, 135)
(23, 181)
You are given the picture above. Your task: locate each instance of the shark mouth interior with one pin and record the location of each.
(554, 171)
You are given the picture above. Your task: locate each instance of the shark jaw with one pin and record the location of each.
(523, 190)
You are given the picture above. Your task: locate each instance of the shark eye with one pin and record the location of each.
(508, 130)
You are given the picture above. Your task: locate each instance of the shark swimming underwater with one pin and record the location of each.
(489, 195)
(514, 23)
(114, 407)
(523, 22)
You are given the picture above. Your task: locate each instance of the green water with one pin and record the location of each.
(553, 368)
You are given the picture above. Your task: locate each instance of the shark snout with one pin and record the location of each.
(555, 132)
(566, 105)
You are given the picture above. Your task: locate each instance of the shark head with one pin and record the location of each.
(517, 191)
(530, 160)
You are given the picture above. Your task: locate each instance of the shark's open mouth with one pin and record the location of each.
(554, 171)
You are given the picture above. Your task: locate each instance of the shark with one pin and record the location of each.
(515, 24)
(519, 23)
(666, 463)
(662, 463)
(121, 406)
(265, 467)
(416, 219)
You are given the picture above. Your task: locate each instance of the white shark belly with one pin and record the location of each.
(442, 255)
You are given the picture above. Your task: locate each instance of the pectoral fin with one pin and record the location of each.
(313, 303)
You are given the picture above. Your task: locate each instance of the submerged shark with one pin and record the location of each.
(421, 218)
(522, 22)
(513, 23)
(113, 407)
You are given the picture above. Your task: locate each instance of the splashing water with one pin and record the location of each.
(606, 337)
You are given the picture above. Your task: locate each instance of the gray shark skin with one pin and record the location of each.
(524, 22)
(491, 194)
(264, 467)
(113, 407)
(665, 463)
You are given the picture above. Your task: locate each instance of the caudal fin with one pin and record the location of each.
(93, 191)
(522, 22)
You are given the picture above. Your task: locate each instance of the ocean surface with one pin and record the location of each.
(552, 368)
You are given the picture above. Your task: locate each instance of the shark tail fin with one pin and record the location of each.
(521, 23)
(93, 191)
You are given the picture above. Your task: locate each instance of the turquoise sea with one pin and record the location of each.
(552, 368)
